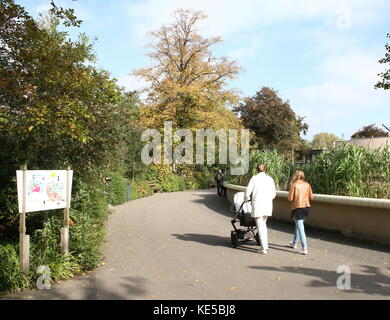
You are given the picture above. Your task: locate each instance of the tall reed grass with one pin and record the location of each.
(351, 170)
(347, 170)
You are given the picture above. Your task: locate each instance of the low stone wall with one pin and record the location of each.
(361, 218)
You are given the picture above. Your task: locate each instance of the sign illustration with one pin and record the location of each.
(45, 189)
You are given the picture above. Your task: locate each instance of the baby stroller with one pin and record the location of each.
(242, 213)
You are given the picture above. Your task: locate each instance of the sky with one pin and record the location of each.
(321, 56)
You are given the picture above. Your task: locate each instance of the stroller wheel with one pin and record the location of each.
(234, 239)
(258, 239)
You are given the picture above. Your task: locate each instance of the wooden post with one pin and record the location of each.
(133, 170)
(24, 240)
(65, 229)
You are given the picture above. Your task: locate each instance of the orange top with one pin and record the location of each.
(300, 195)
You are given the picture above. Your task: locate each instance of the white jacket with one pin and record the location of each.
(263, 191)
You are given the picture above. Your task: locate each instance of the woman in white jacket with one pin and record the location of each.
(261, 189)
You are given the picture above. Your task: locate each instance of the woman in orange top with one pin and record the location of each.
(299, 196)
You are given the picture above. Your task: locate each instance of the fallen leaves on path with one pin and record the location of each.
(231, 288)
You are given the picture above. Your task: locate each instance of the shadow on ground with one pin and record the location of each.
(207, 239)
(90, 289)
(222, 206)
(373, 281)
(214, 240)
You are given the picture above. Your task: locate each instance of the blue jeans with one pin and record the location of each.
(300, 233)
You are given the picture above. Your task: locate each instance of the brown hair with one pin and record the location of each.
(261, 167)
(298, 175)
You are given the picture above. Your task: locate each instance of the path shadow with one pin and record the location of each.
(222, 206)
(90, 288)
(213, 240)
(373, 282)
(207, 239)
(281, 248)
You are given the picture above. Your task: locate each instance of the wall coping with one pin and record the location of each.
(352, 201)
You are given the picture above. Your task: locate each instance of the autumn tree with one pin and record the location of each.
(56, 107)
(384, 83)
(370, 131)
(324, 140)
(52, 97)
(187, 84)
(272, 120)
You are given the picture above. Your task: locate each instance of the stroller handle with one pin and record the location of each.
(239, 210)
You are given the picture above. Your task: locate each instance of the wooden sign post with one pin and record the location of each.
(24, 240)
(65, 229)
(42, 190)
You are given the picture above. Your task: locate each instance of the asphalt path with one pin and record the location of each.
(177, 246)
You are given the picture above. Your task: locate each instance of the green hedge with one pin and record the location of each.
(171, 182)
(116, 189)
(140, 189)
(198, 181)
(10, 277)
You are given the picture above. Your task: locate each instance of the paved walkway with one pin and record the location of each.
(177, 246)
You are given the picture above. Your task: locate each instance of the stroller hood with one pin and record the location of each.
(238, 199)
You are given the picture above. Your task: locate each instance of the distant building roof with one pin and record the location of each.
(371, 143)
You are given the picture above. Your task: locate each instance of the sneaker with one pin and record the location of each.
(264, 251)
(304, 252)
(292, 245)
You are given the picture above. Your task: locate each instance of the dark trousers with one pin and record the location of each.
(220, 189)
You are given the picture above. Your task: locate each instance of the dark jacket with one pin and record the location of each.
(219, 178)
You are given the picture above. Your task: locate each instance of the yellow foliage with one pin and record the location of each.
(187, 83)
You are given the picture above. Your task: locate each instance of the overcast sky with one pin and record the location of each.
(322, 56)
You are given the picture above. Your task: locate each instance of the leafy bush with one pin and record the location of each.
(171, 183)
(197, 181)
(140, 189)
(46, 250)
(116, 188)
(89, 213)
(10, 276)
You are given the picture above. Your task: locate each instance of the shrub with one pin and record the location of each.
(46, 250)
(89, 213)
(10, 276)
(140, 189)
(197, 181)
(116, 188)
(171, 183)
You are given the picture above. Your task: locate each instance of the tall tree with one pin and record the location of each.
(187, 83)
(53, 99)
(272, 120)
(384, 83)
(56, 107)
(324, 140)
(369, 132)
